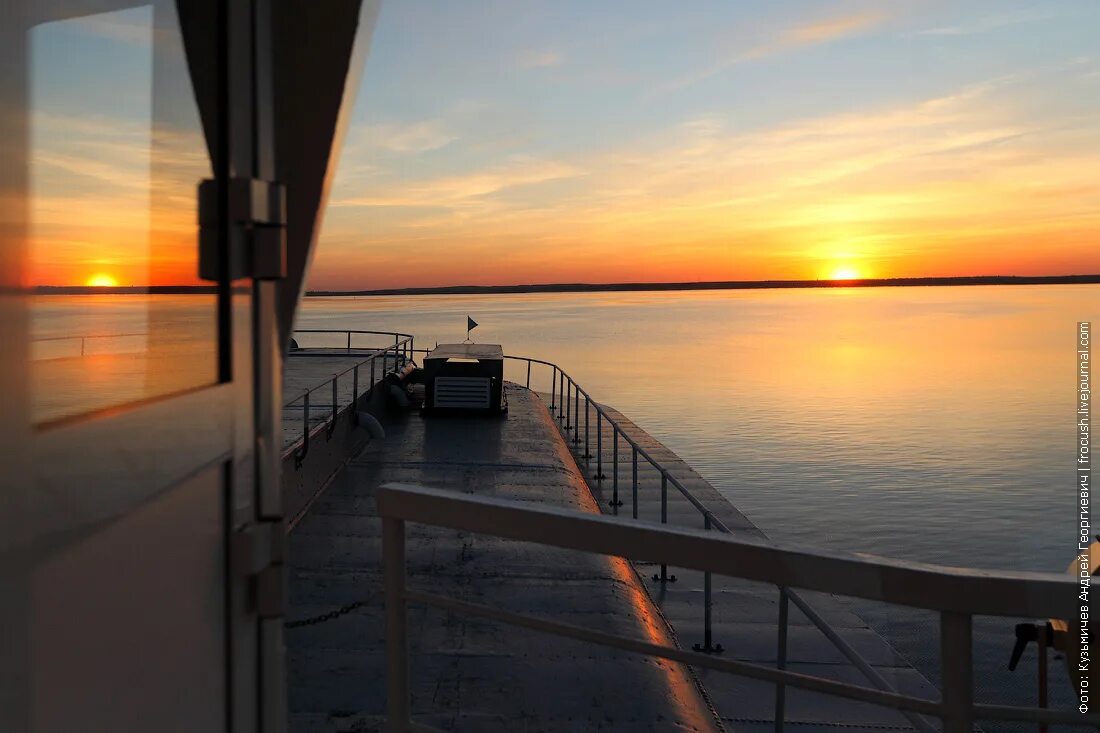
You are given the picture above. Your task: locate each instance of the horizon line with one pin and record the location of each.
(597, 287)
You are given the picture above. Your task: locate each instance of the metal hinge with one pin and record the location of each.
(257, 230)
(258, 553)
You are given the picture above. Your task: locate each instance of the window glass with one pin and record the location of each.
(116, 153)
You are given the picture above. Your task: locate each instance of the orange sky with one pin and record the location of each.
(732, 144)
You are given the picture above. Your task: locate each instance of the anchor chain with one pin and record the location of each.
(337, 613)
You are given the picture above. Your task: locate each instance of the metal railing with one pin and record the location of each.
(957, 595)
(401, 352)
(83, 339)
(349, 333)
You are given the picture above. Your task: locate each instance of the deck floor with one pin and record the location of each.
(470, 674)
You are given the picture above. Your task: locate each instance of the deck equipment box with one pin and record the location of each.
(465, 377)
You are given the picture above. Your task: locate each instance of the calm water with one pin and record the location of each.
(935, 424)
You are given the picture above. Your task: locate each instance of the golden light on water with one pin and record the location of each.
(101, 280)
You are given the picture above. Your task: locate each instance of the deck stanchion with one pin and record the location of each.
(568, 402)
(615, 465)
(599, 447)
(561, 394)
(349, 340)
(335, 410)
(707, 646)
(706, 609)
(781, 659)
(397, 643)
(664, 576)
(576, 414)
(634, 480)
(354, 395)
(957, 673)
(587, 407)
(301, 454)
(553, 390)
(564, 406)
(528, 374)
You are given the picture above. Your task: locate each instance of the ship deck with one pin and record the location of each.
(472, 674)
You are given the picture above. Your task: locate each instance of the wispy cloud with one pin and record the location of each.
(821, 31)
(988, 24)
(416, 137)
(532, 59)
(831, 29)
(464, 190)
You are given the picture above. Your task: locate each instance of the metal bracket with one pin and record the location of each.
(258, 553)
(257, 230)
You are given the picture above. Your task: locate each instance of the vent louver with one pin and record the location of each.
(471, 393)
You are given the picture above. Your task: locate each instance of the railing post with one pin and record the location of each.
(706, 608)
(305, 418)
(553, 390)
(576, 414)
(587, 408)
(372, 360)
(634, 480)
(956, 660)
(301, 454)
(397, 643)
(335, 409)
(561, 394)
(781, 659)
(568, 403)
(707, 646)
(664, 576)
(599, 446)
(615, 465)
(354, 395)
(528, 374)
(349, 340)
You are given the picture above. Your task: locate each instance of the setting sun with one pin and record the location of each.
(845, 272)
(101, 280)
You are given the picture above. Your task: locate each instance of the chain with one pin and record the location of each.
(341, 611)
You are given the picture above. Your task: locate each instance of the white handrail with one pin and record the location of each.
(957, 593)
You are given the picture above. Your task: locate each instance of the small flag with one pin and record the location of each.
(471, 324)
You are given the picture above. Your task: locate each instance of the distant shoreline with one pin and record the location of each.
(716, 285)
(600, 287)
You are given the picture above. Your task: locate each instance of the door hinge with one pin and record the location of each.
(257, 230)
(258, 555)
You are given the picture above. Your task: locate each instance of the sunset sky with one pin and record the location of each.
(515, 142)
(533, 142)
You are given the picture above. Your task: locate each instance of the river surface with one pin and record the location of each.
(934, 424)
